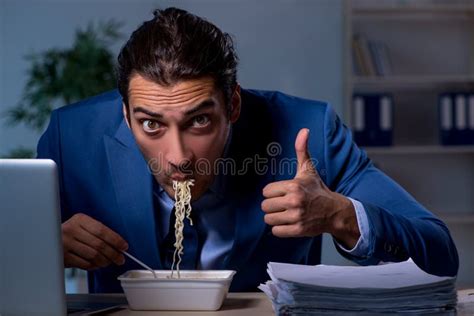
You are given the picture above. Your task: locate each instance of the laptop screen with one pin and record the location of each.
(31, 269)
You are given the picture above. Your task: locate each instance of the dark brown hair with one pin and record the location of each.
(177, 45)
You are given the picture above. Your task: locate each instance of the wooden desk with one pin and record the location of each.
(240, 304)
(236, 304)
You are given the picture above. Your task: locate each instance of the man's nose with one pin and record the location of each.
(178, 154)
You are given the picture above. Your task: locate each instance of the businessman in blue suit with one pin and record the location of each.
(272, 172)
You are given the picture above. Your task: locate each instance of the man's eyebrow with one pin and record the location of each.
(201, 106)
(150, 113)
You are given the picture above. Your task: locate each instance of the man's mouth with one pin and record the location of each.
(180, 177)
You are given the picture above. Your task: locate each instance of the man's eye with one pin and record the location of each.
(200, 121)
(150, 126)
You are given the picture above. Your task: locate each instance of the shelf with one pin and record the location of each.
(417, 12)
(459, 218)
(419, 150)
(410, 81)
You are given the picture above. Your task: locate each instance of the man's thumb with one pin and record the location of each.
(302, 153)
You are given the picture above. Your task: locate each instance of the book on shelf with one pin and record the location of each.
(370, 57)
(373, 119)
(456, 118)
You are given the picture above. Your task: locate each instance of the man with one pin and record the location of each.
(272, 172)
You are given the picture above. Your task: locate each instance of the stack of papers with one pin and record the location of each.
(373, 290)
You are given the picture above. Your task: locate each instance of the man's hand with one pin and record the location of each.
(305, 207)
(88, 244)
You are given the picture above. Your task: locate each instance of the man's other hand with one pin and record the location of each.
(89, 244)
(305, 207)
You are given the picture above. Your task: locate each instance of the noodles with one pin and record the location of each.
(182, 205)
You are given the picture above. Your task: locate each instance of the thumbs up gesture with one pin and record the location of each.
(305, 207)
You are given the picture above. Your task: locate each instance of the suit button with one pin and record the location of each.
(396, 250)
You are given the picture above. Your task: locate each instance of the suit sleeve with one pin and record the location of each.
(49, 147)
(399, 226)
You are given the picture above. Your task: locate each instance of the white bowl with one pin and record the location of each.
(196, 290)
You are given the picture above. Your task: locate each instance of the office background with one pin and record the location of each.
(304, 48)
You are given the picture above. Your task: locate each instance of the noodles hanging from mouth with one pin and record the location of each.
(182, 205)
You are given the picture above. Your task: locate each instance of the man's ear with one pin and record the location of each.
(236, 103)
(126, 115)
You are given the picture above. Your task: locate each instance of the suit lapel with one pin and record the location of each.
(249, 224)
(132, 182)
(246, 190)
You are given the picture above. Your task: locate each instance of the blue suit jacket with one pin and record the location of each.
(104, 175)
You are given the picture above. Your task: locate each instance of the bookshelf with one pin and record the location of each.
(458, 219)
(431, 48)
(410, 82)
(420, 150)
(413, 10)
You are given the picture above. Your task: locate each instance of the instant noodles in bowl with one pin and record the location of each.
(197, 290)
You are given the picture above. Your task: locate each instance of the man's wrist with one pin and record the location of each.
(345, 228)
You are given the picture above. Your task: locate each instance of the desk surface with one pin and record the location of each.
(237, 304)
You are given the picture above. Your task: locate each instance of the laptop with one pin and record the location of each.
(31, 256)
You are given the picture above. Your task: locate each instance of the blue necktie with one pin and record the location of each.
(190, 243)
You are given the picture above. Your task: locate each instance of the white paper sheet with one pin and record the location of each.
(387, 276)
